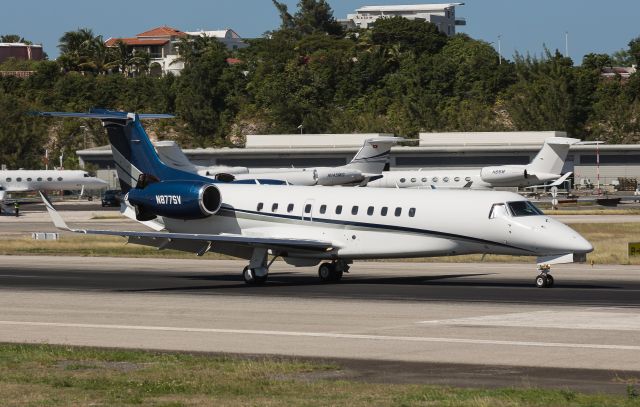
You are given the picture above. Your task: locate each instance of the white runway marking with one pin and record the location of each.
(324, 335)
(590, 320)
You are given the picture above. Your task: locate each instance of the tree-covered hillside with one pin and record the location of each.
(400, 77)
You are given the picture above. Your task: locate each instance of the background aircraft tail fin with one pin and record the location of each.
(373, 156)
(550, 159)
(171, 154)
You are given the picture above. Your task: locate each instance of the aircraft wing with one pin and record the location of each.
(555, 183)
(194, 242)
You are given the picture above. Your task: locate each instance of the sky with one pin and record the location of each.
(525, 26)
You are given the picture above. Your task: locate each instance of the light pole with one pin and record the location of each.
(499, 49)
(566, 44)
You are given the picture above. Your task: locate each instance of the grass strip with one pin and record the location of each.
(62, 376)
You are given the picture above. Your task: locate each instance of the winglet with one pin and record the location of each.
(55, 216)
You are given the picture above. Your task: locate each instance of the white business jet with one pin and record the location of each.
(546, 166)
(45, 180)
(308, 225)
(366, 165)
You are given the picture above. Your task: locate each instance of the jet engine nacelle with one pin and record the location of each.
(175, 199)
(338, 176)
(503, 174)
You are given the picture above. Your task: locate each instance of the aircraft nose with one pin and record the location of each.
(571, 240)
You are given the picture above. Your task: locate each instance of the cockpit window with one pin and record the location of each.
(523, 208)
(497, 211)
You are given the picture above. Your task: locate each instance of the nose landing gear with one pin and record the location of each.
(544, 279)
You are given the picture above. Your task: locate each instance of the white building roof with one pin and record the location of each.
(502, 138)
(309, 140)
(409, 7)
(226, 33)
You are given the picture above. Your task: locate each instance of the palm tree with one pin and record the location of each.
(74, 46)
(101, 59)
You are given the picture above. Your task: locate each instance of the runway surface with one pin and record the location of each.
(482, 323)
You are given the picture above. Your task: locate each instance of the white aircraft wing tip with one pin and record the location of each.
(58, 221)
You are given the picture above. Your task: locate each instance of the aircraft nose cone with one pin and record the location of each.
(581, 245)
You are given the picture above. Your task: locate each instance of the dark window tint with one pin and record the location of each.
(523, 208)
(260, 206)
(354, 210)
(59, 178)
(29, 179)
(338, 209)
(18, 179)
(398, 211)
(384, 211)
(274, 207)
(290, 208)
(49, 179)
(412, 212)
(39, 178)
(370, 210)
(307, 208)
(323, 209)
(8, 179)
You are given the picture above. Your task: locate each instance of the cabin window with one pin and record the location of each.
(49, 179)
(412, 212)
(19, 179)
(59, 178)
(434, 179)
(290, 208)
(260, 206)
(457, 179)
(424, 180)
(384, 211)
(323, 209)
(523, 208)
(29, 179)
(8, 179)
(398, 211)
(403, 180)
(354, 210)
(370, 210)
(497, 210)
(39, 178)
(85, 175)
(445, 179)
(274, 207)
(467, 179)
(338, 209)
(413, 180)
(307, 208)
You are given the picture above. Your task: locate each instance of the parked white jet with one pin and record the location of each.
(546, 166)
(366, 165)
(307, 225)
(46, 180)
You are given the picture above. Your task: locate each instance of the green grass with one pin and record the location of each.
(44, 375)
(609, 240)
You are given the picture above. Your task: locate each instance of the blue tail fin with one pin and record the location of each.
(133, 152)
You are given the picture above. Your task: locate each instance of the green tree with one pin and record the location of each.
(202, 90)
(13, 38)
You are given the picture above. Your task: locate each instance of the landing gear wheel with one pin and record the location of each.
(549, 280)
(542, 281)
(249, 277)
(326, 272)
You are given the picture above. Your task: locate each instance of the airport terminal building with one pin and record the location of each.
(430, 151)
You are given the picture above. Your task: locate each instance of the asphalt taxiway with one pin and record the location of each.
(483, 317)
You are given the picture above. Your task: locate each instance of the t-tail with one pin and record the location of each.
(373, 156)
(133, 152)
(549, 161)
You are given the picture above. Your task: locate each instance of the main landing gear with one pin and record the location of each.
(257, 272)
(332, 272)
(544, 279)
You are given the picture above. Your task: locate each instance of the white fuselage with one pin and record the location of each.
(451, 179)
(46, 180)
(417, 223)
